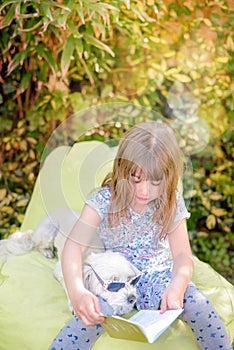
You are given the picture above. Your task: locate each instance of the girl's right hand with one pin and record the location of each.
(86, 307)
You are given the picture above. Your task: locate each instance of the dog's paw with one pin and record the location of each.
(47, 252)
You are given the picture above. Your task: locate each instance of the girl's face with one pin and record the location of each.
(145, 190)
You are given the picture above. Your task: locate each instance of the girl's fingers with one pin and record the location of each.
(175, 305)
(163, 306)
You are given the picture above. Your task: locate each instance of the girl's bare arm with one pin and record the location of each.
(85, 304)
(182, 267)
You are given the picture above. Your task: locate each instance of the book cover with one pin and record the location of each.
(145, 326)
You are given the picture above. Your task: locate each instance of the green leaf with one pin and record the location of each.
(67, 54)
(79, 9)
(57, 4)
(74, 30)
(25, 80)
(7, 3)
(18, 59)
(79, 45)
(184, 10)
(45, 10)
(7, 20)
(97, 43)
(49, 58)
(104, 5)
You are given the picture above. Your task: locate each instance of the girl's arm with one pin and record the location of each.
(172, 297)
(85, 304)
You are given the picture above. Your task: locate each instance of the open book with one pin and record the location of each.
(145, 326)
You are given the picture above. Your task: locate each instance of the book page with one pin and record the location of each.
(153, 323)
(144, 326)
(146, 318)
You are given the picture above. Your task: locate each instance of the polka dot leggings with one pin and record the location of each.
(204, 321)
(199, 314)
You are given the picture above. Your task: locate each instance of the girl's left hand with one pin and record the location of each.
(172, 298)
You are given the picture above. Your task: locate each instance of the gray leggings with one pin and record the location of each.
(199, 314)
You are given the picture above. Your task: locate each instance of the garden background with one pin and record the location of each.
(175, 57)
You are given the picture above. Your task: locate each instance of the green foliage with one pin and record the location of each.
(20, 165)
(215, 249)
(211, 224)
(61, 57)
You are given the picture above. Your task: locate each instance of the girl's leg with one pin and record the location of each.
(204, 321)
(76, 336)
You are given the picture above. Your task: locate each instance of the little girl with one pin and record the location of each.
(139, 212)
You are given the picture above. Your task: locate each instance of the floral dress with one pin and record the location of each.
(137, 237)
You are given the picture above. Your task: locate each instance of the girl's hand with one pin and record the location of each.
(86, 307)
(172, 298)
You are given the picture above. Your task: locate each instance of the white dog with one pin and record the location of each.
(112, 277)
(56, 225)
(108, 275)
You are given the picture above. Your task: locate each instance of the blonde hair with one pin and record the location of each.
(154, 149)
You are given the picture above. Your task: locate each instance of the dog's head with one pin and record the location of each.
(101, 268)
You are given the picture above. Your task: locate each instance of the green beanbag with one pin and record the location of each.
(33, 305)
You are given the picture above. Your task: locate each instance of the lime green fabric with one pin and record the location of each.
(33, 305)
(67, 178)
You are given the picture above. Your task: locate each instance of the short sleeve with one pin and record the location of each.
(100, 201)
(181, 210)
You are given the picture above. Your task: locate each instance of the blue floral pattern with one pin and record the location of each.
(136, 237)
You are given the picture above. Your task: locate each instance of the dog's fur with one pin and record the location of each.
(50, 235)
(110, 266)
(54, 226)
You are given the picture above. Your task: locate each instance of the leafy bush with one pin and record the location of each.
(211, 225)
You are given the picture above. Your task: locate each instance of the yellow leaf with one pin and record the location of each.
(7, 210)
(215, 196)
(32, 154)
(218, 211)
(210, 222)
(12, 166)
(2, 194)
(155, 39)
(20, 131)
(205, 201)
(195, 75)
(182, 78)
(208, 181)
(8, 146)
(28, 168)
(22, 202)
(31, 140)
(207, 22)
(53, 104)
(172, 71)
(222, 59)
(169, 54)
(23, 145)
